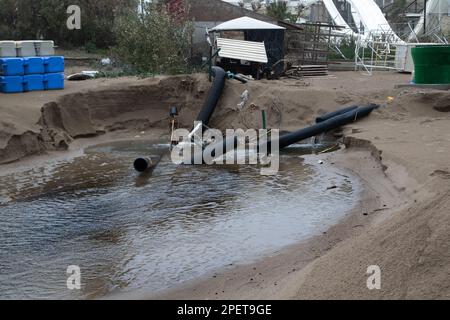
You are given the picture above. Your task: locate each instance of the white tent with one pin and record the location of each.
(246, 23)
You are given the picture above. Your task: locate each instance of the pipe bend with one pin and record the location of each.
(218, 72)
(214, 95)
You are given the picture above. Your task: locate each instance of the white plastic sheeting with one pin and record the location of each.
(373, 19)
(434, 7)
(365, 12)
(336, 16)
(242, 50)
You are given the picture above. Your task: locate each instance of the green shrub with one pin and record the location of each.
(46, 19)
(153, 42)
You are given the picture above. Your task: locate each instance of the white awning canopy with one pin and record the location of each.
(242, 50)
(246, 23)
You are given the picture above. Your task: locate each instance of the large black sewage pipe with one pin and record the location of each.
(332, 122)
(213, 95)
(333, 114)
(327, 122)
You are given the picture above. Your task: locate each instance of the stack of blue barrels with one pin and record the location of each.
(23, 74)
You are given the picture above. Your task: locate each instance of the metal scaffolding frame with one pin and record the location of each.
(376, 51)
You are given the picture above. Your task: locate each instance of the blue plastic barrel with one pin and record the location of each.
(54, 81)
(33, 65)
(11, 67)
(11, 84)
(33, 82)
(54, 64)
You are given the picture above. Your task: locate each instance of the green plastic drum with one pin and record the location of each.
(431, 64)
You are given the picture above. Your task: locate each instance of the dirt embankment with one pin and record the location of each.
(35, 122)
(51, 123)
(401, 152)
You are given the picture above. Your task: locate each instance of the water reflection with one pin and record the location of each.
(129, 231)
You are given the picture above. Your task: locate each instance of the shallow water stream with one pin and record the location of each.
(152, 232)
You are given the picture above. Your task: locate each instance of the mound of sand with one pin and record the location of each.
(38, 121)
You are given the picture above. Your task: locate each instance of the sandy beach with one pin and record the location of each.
(401, 154)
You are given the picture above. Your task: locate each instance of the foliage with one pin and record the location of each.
(300, 12)
(256, 5)
(347, 47)
(153, 41)
(278, 9)
(46, 19)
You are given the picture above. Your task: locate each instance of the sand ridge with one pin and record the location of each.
(38, 122)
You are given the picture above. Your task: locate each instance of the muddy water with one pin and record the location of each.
(129, 232)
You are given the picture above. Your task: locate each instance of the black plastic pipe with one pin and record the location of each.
(335, 113)
(325, 126)
(213, 95)
(144, 164)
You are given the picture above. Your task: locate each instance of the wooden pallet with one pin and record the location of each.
(307, 71)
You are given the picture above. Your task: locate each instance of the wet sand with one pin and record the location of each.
(402, 223)
(276, 276)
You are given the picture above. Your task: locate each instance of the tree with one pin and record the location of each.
(256, 5)
(8, 19)
(26, 19)
(277, 9)
(300, 11)
(153, 41)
